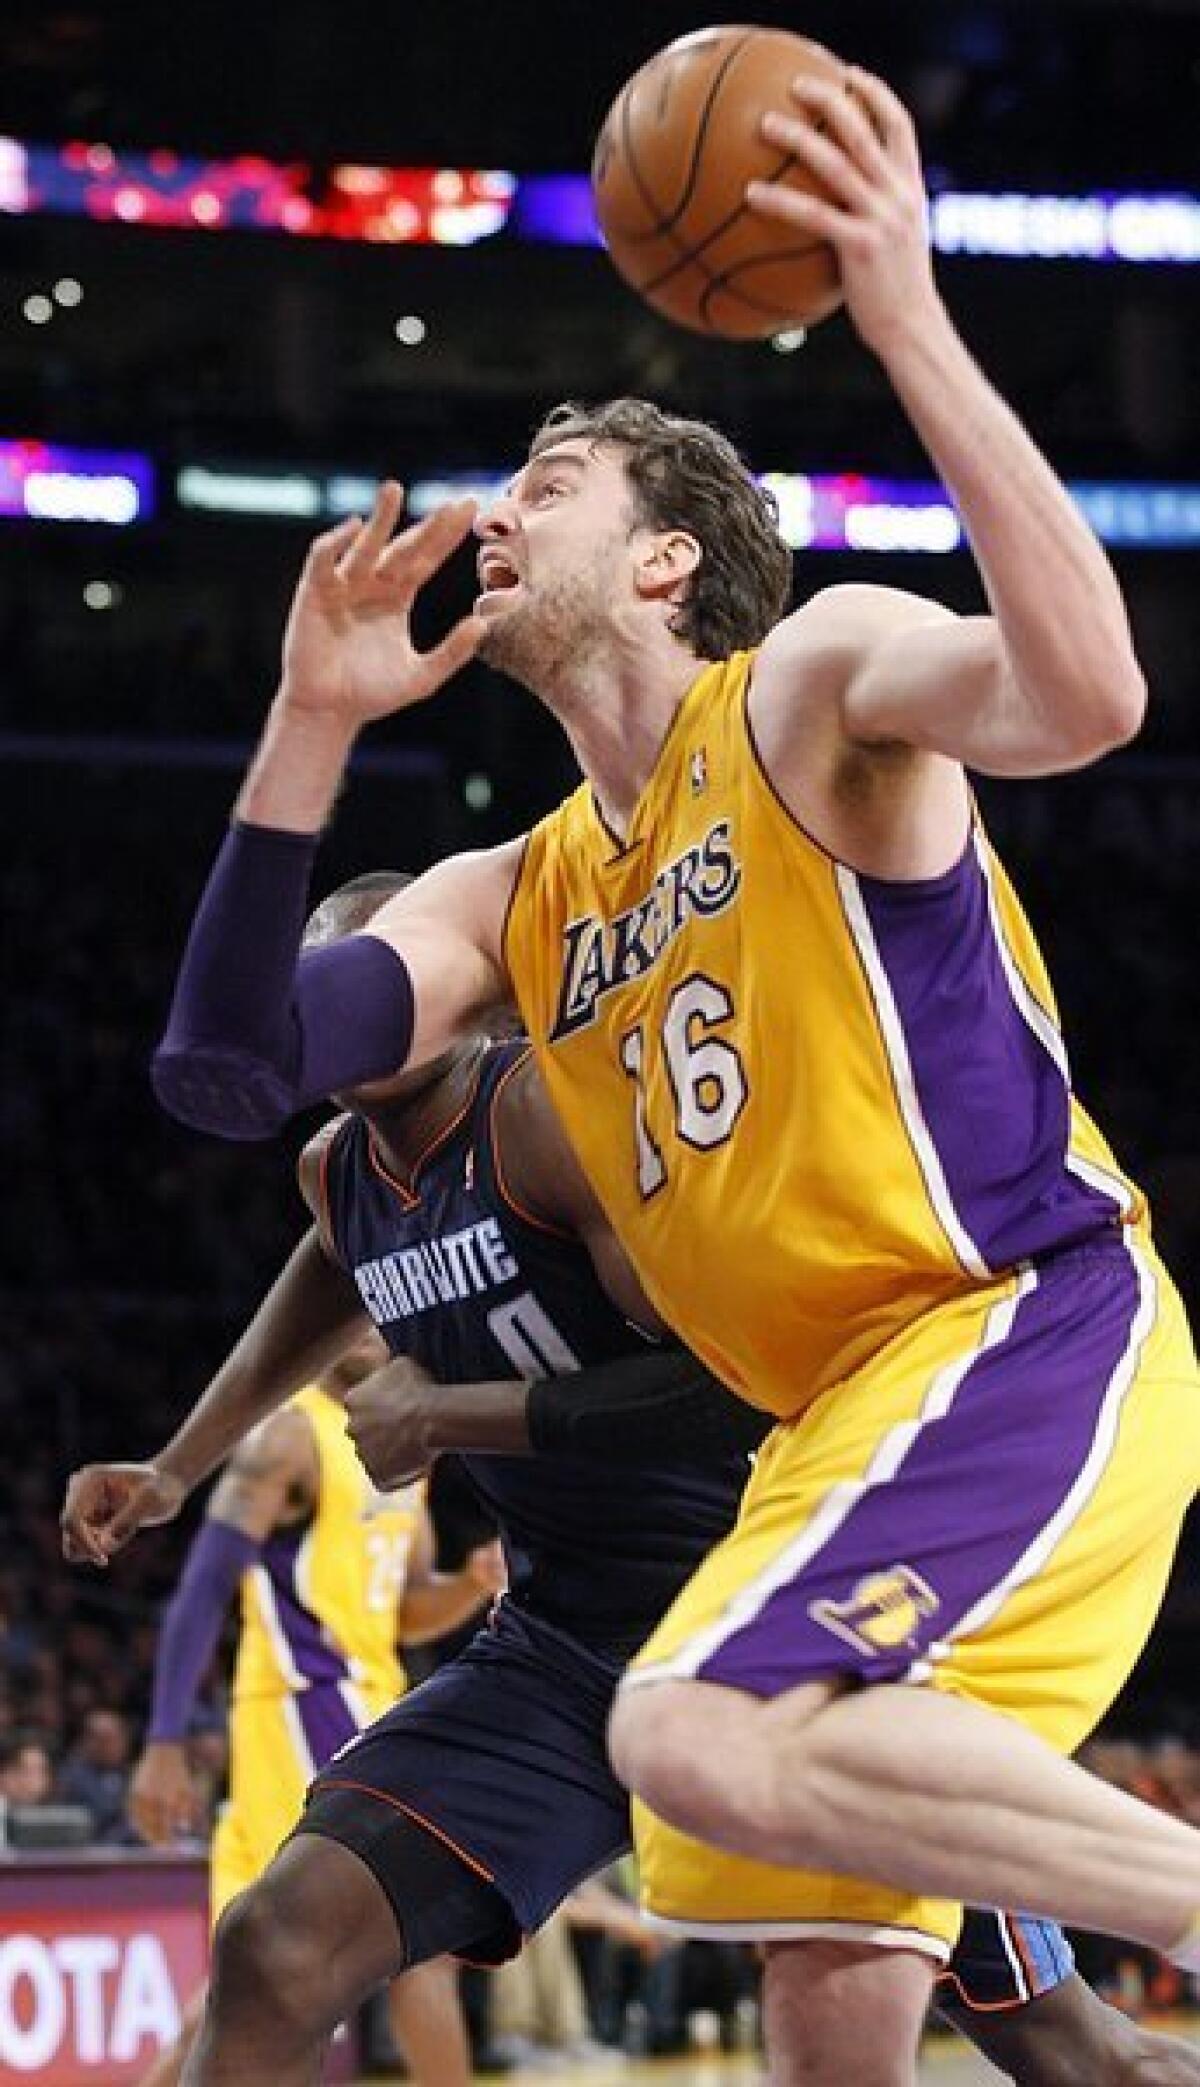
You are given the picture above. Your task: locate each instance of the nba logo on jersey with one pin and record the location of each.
(885, 1610)
(698, 771)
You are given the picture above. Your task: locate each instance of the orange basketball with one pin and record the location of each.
(669, 173)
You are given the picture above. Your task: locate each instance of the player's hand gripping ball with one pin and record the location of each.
(669, 177)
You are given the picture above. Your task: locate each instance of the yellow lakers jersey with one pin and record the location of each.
(814, 1104)
(320, 1606)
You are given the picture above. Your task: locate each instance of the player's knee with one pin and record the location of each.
(652, 1742)
(841, 2011)
(721, 1787)
(261, 1960)
(631, 1740)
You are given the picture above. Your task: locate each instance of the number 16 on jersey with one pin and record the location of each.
(706, 1075)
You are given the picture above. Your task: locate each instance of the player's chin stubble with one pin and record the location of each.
(537, 640)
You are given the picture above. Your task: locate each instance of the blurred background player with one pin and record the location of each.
(331, 1574)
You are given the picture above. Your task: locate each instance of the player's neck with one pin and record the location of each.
(617, 727)
(405, 1128)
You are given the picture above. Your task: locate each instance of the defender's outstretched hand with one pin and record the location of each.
(348, 653)
(858, 139)
(106, 1504)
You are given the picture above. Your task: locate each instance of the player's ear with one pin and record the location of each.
(667, 559)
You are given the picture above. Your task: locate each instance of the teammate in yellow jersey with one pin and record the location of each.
(799, 1032)
(331, 1573)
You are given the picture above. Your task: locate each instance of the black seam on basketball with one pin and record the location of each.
(663, 227)
(693, 255)
(722, 285)
(723, 280)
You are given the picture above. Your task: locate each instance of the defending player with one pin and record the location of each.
(482, 1799)
(330, 1574)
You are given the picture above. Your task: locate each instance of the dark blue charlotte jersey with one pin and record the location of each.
(457, 1277)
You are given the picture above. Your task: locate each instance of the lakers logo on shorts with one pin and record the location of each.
(886, 1609)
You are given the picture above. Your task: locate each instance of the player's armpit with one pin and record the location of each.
(662, 1407)
(312, 1182)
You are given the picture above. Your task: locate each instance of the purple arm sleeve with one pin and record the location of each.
(258, 1027)
(192, 1623)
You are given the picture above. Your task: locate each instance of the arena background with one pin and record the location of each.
(214, 385)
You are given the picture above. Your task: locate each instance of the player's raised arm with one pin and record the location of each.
(255, 1032)
(1054, 681)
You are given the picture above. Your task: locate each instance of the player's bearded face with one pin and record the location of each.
(561, 608)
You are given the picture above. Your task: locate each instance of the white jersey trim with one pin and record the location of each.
(291, 1718)
(276, 1635)
(804, 1930)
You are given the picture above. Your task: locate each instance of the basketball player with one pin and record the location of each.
(798, 1030)
(330, 1573)
(503, 1757)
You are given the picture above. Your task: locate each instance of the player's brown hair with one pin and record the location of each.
(684, 474)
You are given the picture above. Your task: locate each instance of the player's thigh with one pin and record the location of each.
(439, 1902)
(499, 1760)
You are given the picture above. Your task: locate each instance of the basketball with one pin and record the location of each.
(669, 174)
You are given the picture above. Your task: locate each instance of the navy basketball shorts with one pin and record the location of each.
(1002, 1961)
(501, 1757)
